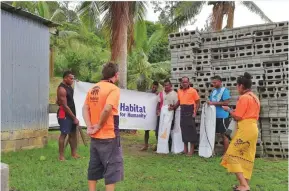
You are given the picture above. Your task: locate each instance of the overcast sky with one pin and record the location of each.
(276, 10)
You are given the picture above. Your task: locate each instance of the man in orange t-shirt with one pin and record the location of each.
(189, 101)
(100, 113)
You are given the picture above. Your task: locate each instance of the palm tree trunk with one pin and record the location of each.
(230, 13)
(218, 16)
(120, 21)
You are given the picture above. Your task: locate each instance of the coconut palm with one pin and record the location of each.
(117, 22)
(185, 11)
(40, 8)
(141, 72)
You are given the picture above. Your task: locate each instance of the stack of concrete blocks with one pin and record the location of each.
(229, 54)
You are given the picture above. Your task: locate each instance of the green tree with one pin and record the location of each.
(118, 21)
(160, 51)
(141, 72)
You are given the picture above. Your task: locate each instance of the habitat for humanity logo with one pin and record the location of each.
(132, 110)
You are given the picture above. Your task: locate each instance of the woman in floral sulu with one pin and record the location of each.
(240, 156)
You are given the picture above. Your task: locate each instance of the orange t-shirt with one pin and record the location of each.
(188, 96)
(248, 107)
(104, 93)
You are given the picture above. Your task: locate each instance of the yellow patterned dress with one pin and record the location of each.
(240, 155)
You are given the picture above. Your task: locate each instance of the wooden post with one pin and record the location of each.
(51, 63)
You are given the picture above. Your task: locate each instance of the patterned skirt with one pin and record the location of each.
(240, 155)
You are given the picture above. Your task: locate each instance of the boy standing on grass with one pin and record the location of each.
(154, 90)
(100, 113)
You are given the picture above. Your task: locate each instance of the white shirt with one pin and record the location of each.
(170, 98)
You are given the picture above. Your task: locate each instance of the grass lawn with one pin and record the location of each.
(144, 171)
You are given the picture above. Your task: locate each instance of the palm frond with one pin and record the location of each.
(89, 14)
(27, 5)
(185, 12)
(137, 12)
(255, 9)
(43, 9)
(65, 34)
(56, 13)
(140, 34)
(154, 40)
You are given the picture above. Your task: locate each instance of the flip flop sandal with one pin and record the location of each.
(235, 189)
(235, 186)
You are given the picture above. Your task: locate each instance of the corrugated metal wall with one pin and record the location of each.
(24, 73)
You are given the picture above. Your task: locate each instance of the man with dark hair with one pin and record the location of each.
(100, 113)
(66, 115)
(166, 99)
(220, 97)
(189, 101)
(154, 90)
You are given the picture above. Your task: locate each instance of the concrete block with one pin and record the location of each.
(280, 31)
(263, 33)
(277, 64)
(274, 58)
(274, 71)
(245, 54)
(281, 50)
(241, 35)
(203, 57)
(267, 26)
(226, 37)
(279, 126)
(245, 41)
(282, 24)
(274, 76)
(263, 51)
(4, 177)
(263, 46)
(284, 138)
(183, 35)
(262, 40)
(280, 38)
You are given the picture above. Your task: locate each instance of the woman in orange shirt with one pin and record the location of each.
(240, 156)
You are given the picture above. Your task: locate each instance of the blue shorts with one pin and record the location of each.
(66, 125)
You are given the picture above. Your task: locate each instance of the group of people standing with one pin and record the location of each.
(101, 115)
(188, 99)
(239, 153)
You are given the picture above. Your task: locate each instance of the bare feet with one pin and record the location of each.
(145, 148)
(189, 154)
(75, 156)
(61, 158)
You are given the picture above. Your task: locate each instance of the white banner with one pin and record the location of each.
(137, 110)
